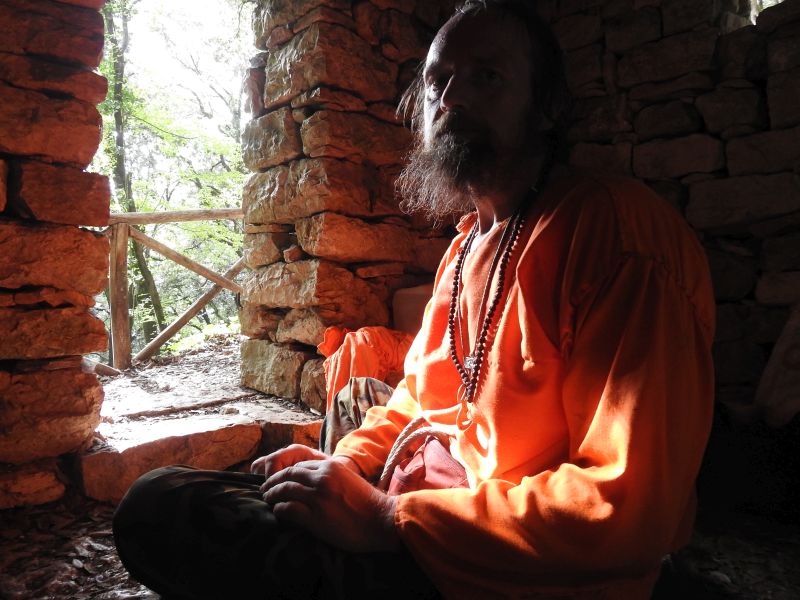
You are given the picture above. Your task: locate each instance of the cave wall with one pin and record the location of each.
(50, 267)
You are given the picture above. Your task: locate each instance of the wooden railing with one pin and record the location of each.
(121, 231)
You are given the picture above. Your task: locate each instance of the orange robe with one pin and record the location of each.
(593, 410)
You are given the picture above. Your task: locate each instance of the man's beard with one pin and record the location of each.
(441, 178)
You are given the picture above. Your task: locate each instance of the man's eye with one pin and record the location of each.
(489, 76)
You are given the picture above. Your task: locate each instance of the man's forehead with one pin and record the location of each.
(483, 37)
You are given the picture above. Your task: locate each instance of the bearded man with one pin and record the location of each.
(563, 364)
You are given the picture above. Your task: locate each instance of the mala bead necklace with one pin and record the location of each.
(471, 369)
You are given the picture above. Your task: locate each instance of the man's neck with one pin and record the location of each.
(498, 204)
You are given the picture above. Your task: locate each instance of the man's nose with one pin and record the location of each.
(455, 95)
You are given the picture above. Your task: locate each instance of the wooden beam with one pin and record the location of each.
(190, 312)
(118, 298)
(184, 261)
(175, 216)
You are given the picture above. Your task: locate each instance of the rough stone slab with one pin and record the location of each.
(670, 119)
(322, 14)
(668, 159)
(31, 484)
(600, 119)
(569, 7)
(577, 31)
(267, 16)
(314, 283)
(277, 435)
(367, 19)
(336, 237)
(743, 54)
(3, 185)
(271, 140)
(737, 201)
(733, 276)
(317, 57)
(47, 413)
(324, 98)
(306, 187)
(585, 70)
(63, 257)
(402, 39)
(268, 228)
(608, 158)
(775, 16)
(294, 253)
(686, 85)
(52, 29)
(779, 289)
(202, 441)
(372, 270)
(273, 368)
(44, 296)
(45, 333)
(258, 322)
(633, 29)
(261, 249)
(781, 253)
(728, 107)
(778, 393)
(668, 58)
(775, 226)
(313, 390)
(683, 15)
(783, 54)
(783, 90)
(354, 137)
(303, 325)
(64, 130)
(47, 77)
(767, 152)
(59, 194)
(740, 361)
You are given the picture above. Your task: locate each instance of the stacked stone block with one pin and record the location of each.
(324, 238)
(50, 268)
(703, 106)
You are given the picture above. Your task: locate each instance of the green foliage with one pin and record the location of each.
(181, 119)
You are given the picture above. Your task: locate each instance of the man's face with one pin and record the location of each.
(477, 85)
(477, 117)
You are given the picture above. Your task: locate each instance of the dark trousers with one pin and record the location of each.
(187, 533)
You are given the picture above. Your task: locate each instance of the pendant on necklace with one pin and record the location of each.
(469, 362)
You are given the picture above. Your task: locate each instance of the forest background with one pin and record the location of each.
(172, 124)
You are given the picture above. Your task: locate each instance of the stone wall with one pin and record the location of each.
(50, 268)
(690, 97)
(324, 239)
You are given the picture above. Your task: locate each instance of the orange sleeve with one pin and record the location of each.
(636, 394)
(369, 446)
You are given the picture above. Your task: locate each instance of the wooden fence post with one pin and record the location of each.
(118, 288)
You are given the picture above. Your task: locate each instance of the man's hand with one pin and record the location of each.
(334, 503)
(291, 455)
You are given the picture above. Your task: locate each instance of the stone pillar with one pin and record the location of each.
(324, 239)
(50, 268)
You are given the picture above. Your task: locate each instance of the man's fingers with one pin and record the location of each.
(285, 457)
(288, 491)
(294, 512)
(296, 473)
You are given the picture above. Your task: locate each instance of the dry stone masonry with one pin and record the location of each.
(687, 95)
(50, 268)
(692, 98)
(324, 239)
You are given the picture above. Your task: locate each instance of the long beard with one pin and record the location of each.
(437, 180)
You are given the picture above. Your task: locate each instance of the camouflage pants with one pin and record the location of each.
(187, 533)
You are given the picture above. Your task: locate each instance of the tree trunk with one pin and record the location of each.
(145, 287)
